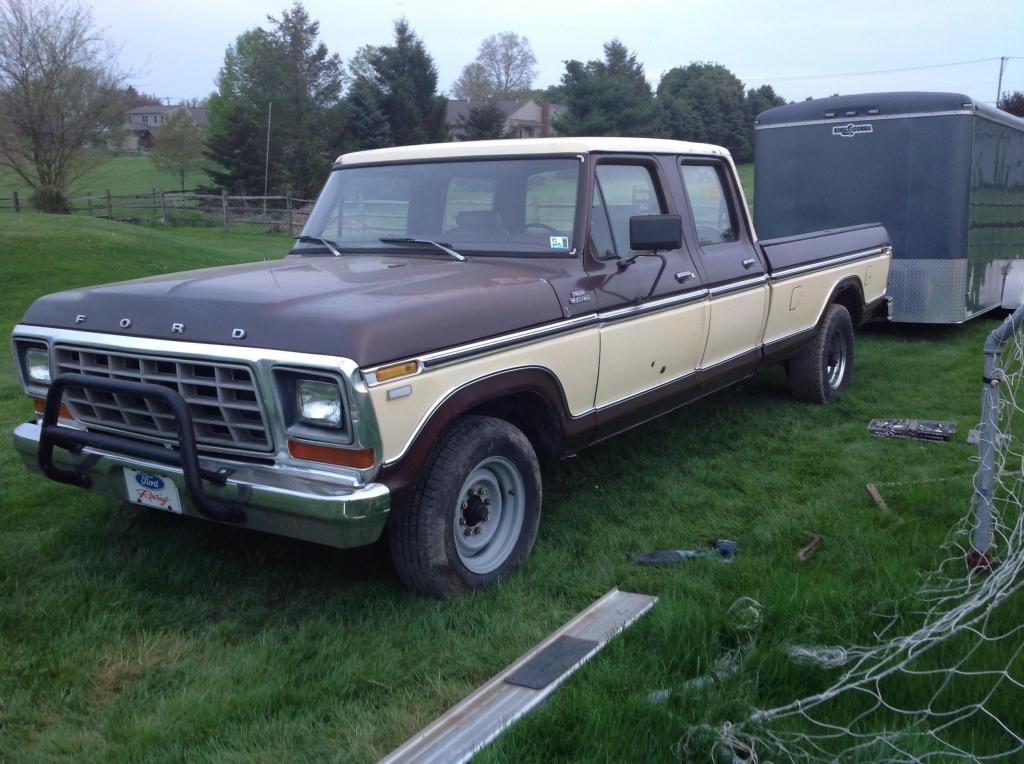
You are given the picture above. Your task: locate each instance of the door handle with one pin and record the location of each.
(749, 262)
(684, 276)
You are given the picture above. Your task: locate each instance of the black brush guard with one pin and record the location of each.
(185, 457)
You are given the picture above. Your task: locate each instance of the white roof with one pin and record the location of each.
(527, 146)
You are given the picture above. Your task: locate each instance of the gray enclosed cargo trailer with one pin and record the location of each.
(943, 173)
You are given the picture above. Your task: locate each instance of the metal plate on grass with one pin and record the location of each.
(551, 662)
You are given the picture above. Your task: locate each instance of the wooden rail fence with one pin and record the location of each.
(286, 213)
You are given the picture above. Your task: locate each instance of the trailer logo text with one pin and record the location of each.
(848, 131)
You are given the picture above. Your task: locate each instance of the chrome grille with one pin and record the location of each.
(222, 398)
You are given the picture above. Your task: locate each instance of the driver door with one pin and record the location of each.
(649, 339)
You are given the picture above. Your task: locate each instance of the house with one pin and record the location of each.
(523, 119)
(142, 124)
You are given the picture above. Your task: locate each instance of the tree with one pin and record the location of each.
(505, 67)
(404, 78)
(473, 84)
(609, 97)
(484, 121)
(134, 99)
(1013, 103)
(368, 124)
(705, 102)
(60, 96)
(178, 145)
(289, 67)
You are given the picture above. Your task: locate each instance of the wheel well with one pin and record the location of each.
(849, 295)
(530, 412)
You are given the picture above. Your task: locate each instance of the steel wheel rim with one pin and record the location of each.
(836, 368)
(489, 515)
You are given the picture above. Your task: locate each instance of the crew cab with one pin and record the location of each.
(451, 316)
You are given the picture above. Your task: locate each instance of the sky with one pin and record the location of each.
(174, 49)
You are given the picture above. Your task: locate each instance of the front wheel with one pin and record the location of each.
(821, 371)
(474, 515)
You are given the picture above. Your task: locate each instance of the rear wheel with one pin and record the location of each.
(821, 371)
(473, 518)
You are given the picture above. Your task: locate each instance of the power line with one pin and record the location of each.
(881, 71)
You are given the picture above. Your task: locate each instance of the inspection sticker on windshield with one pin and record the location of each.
(150, 490)
(559, 242)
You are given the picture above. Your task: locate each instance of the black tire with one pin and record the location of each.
(821, 371)
(427, 555)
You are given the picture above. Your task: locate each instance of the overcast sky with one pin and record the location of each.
(177, 47)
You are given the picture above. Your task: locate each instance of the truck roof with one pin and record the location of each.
(526, 147)
(883, 105)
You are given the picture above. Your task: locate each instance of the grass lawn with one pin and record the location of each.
(133, 635)
(124, 174)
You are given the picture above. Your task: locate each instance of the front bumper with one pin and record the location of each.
(313, 506)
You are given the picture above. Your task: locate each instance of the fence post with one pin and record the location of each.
(17, 203)
(224, 206)
(154, 202)
(288, 204)
(110, 207)
(88, 201)
(163, 207)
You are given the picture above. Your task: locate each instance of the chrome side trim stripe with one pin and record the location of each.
(504, 342)
(830, 263)
(662, 303)
(840, 121)
(736, 286)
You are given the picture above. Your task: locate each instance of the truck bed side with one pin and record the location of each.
(806, 271)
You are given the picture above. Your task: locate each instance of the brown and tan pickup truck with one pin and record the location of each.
(451, 315)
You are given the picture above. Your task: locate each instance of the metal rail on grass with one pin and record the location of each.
(985, 478)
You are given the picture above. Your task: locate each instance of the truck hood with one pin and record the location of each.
(369, 308)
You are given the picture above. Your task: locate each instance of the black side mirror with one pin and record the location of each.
(654, 232)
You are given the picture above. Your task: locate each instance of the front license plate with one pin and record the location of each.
(151, 490)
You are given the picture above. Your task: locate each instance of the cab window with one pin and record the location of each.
(620, 191)
(713, 215)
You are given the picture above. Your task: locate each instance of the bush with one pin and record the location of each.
(51, 199)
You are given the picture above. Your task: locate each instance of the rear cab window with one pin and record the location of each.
(708, 194)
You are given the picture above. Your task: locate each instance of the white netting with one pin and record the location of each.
(945, 679)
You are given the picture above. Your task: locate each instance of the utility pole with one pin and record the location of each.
(999, 87)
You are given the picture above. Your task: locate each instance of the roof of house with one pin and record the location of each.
(459, 109)
(527, 147)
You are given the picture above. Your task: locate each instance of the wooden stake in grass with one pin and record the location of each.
(811, 547)
(877, 497)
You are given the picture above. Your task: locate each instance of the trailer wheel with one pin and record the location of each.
(821, 371)
(474, 515)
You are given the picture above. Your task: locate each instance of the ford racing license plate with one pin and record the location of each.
(152, 490)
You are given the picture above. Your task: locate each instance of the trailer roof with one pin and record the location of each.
(526, 147)
(881, 105)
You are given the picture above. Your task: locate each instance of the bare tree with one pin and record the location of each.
(504, 67)
(60, 95)
(179, 144)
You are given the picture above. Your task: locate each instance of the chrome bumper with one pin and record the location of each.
(313, 506)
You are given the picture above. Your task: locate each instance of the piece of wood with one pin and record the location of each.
(458, 734)
(811, 547)
(877, 497)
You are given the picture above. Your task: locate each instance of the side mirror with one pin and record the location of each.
(654, 232)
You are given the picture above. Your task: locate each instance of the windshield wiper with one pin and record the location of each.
(430, 243)
(332, 246)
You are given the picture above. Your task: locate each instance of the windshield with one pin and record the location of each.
(480, 207)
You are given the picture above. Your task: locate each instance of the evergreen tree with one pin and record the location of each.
(287, 66)
(609, 97)
(484, 121)
(705, 102)
(368, 124)
(405, 80)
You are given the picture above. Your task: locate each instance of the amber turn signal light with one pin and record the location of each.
(344, 457)
(40, 406)
(396, 370)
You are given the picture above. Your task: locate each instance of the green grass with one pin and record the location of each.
(746, 173)
(133, 635)
(123, 174)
